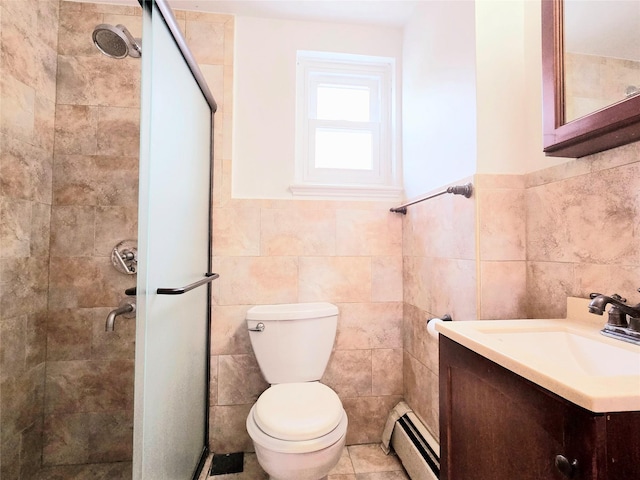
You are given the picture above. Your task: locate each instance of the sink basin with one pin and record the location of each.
(592, 356)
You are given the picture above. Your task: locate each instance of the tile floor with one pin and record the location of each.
(358, 462)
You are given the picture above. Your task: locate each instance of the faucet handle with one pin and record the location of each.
(594, 295)
(618, 297)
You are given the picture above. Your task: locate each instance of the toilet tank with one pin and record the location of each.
(296, 342)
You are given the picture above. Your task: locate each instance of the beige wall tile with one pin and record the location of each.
(386, 279)
(119, 344)
(72, 33)
(229, 333)
(206, 41)
(548, 285)
(72, 231)
(44, 123)
(421, 392)
(239, 379)
(361, 232)
(417, 342)
(15, 227)
(367, 417)
(114, 224)
(119, 131)
(386, 367)
(18, 108)
(578, 208)
(25, 171)
(257, 280)
(295, 232)
(369, 325)
(69, 334)
(95, 180)
(335, 279)
(502, 224)
(349, 373)
(236, 231)
(503, 290)
(23, 292)
(76, 130)
(227, 429)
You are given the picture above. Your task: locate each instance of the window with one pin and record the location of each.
(344, 126)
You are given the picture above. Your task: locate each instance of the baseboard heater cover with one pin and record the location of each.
(416, 448)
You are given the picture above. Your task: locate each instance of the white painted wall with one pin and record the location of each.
(439, 96)
(472, 92)
(264, 92)
(509, 86)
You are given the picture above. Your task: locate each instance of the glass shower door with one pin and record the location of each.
(170, 412)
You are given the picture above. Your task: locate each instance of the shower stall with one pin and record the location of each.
(87, 160)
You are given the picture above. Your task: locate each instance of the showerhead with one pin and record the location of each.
(116, 42)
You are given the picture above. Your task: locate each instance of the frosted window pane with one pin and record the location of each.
(338, 102)
(343, 149)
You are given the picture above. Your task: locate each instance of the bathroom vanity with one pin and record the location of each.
(506, 414)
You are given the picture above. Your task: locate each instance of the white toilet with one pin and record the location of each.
(298, 425)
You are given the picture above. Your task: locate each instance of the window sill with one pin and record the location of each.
(345, 191)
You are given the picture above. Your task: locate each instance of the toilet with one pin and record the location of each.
(298, 425)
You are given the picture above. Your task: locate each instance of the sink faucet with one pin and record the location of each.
(124, 308)
(617, 325)
(599, 302)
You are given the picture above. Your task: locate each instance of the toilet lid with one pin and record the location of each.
(298, 411)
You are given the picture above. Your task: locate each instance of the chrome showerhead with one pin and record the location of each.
(116, 42)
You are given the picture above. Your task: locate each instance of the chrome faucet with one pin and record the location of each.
(617, 325)
(126, 307)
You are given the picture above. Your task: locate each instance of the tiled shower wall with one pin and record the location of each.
(564, 231)
(28, 39)
(89, 379)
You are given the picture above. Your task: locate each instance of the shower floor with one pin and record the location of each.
(358, 462)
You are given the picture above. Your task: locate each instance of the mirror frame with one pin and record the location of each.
(609, 127)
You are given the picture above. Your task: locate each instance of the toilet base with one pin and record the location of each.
(300, 466)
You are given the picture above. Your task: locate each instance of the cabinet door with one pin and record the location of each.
(497, 425)
(623, 452)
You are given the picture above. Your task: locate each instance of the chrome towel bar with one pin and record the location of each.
(208, 277)
(466, 190)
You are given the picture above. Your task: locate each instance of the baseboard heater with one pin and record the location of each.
(416, 448)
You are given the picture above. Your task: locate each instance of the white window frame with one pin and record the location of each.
(376, 73)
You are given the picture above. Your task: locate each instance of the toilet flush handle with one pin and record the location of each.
(258, 328)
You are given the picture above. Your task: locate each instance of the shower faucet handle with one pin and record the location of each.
(124, 257)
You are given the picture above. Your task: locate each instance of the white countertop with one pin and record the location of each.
(568, 357)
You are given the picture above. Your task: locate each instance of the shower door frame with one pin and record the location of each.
(167, 15)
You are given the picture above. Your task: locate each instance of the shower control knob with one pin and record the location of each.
(567, 468)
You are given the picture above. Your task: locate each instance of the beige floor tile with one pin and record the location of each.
(370, 458)
(395, 475)
(344, 466)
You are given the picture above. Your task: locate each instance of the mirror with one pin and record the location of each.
(591, 75)
(601, 54)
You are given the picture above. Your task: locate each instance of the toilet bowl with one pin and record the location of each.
(298, 425)
(298, 430)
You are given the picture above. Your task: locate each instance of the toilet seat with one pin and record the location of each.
(298, 411)
(297, 418)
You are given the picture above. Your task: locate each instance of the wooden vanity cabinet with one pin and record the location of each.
(496, 425)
